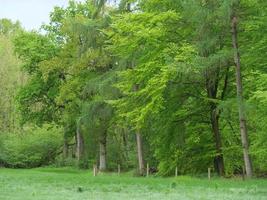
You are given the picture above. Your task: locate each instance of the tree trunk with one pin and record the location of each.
(65, 148)
(239, 89)
(139, 142)
(212, 81)
(80, 144)
(140, 153)
(75, 146)
(103, 152)
(125, 145)
(218, 160)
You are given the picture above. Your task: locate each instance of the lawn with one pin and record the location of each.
(66, 184)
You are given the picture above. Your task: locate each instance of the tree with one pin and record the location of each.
(151, 74)
(89, 61)
(209, 20)
(37, 97)
(150, 44)
(11, 76)
(239, 89)
(8, 28)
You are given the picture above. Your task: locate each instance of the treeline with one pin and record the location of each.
(173, 83)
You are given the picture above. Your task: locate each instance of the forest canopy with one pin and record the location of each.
(173, 84)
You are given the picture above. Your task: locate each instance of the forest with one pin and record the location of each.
(176, 85)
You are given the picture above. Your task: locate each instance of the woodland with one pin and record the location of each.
(179, 85)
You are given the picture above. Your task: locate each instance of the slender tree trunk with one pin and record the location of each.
(139, 142)
(239, 87)
(80, 144)
(74, 150)
(125, 145)
(140, 153)
(103, 152)
(65, 147)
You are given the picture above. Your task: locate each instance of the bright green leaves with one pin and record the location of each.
(162, 67)
(37, 98)
(160, 6)
(34, 48)
(141, 34)
(154, 48)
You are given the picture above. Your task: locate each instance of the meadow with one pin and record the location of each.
(72, 184)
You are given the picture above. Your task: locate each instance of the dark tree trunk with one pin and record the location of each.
(65, 148)
(218, 160)
(74, 149)
(212, 89)
(103, 152)
(239, 89)
(140, 153)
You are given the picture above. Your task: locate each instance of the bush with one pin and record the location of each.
(31, 148)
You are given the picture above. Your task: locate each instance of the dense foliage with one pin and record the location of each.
(174, 83)
(11, 76)
(33, 147)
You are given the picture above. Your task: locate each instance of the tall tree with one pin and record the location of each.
(83, 60)
(11, 76)
(149, 44)
(209, 19)
(239, 89)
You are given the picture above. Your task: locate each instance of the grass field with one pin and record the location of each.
(66, 184)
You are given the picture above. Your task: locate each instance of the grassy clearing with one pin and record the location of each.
(70, 184)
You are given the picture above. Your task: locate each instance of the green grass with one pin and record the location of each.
(66, 184)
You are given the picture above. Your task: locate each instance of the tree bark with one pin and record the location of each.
(80, 144)
(103, 152)
(125, 147)
(140, 153)
(212, 81)
(75, 146)
(65, 148)
(139, 143)
(239, 89)
(218, 160)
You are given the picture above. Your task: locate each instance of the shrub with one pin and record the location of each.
(31, 148)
